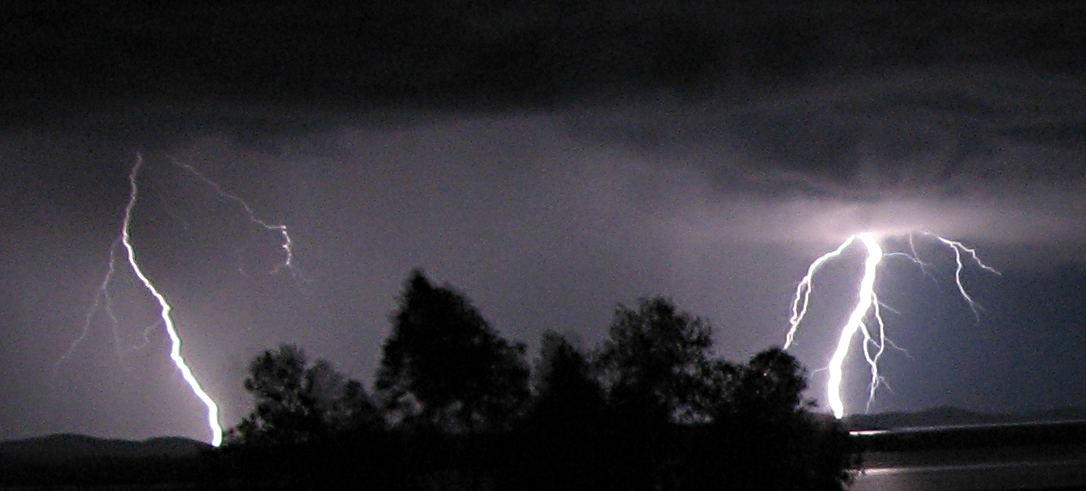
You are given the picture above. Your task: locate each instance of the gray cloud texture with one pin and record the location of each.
(963, 120)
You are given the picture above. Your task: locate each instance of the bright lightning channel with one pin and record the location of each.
(866, 313)
(165, 308)
(103, 299)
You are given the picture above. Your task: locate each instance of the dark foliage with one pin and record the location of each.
(298, 401)
(567, 396)
(765, 437)
(444, 366)
(656, 362)
(668, 416)
(560, 437)
(649, 410)
(769, 387)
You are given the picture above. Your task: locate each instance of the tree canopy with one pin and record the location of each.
(656, 358)
(566, 392)
(650, 408)
(769, 434)
(298, 401)
(444, 366)
(770, 385)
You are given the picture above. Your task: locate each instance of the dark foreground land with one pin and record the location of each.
(1003, 456)
(387, 461)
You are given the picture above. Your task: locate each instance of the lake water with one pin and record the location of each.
(1017, 468)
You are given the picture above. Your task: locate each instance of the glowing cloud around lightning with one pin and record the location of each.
(866, 317)
(103, 301)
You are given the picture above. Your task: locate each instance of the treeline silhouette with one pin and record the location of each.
(456, 407)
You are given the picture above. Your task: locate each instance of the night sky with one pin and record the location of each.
(550, 159)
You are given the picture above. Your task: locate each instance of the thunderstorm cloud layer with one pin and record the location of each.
(548, 166)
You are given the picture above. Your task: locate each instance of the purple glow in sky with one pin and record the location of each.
(549, 160)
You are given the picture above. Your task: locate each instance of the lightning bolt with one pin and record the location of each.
(164, 310)
(866, 315)
(102, 299)
(958, 249)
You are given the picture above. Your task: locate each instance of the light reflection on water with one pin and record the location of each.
(1018, 475)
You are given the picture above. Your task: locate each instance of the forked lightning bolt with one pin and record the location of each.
(866, 314)
(103, 299)
(164, 312)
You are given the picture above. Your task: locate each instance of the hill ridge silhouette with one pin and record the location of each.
(61, 447)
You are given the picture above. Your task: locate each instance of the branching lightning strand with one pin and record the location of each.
(868, 309)
(102, 297)
(958, 248)
(287, 243)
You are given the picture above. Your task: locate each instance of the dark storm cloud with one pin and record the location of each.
(975, 151)
(65, 60)
(864, 102)
(938, 132)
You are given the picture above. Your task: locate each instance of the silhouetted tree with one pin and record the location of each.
(565, 390)
(770, 386)
(443, 366)
(561, 437)
(650, 410)
(765, 437)
(656, 361)
(298, 401)
(655, 366)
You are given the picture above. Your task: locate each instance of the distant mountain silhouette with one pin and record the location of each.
(68, 447)
(953, 416)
